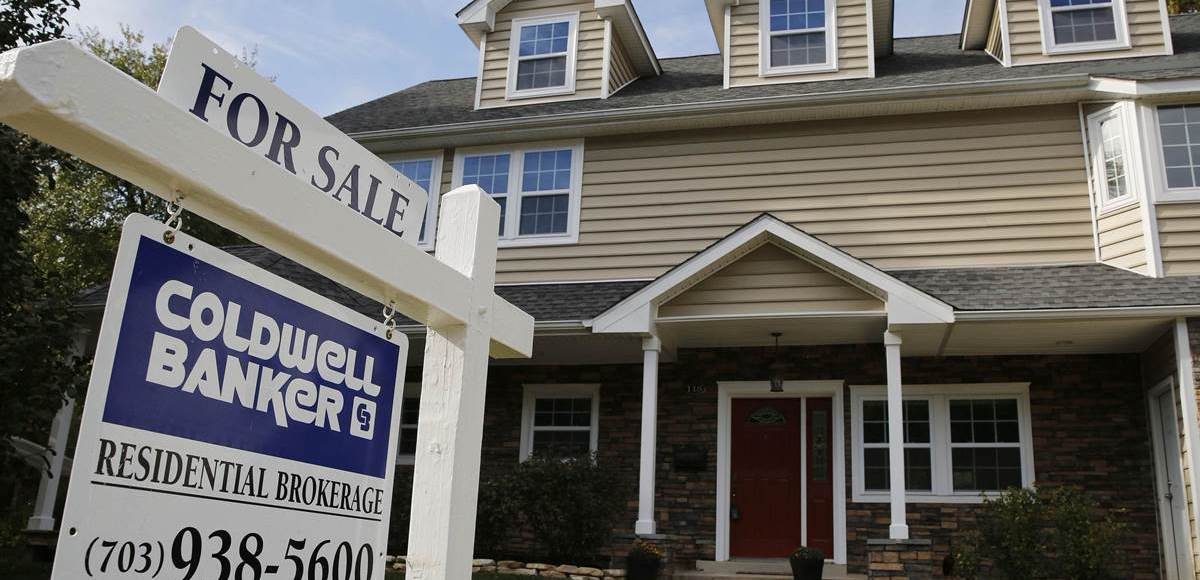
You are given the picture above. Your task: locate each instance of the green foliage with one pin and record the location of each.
(570, 505)
(1182, 6)
(75, 224)
(1055, 532)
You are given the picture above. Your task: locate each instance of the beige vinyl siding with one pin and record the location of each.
(1002, 187)
(770, 280)
(853, 31)
(621, 68)
(995, 39)
(1123, 239)
(1179, 237)
(1144, 18)
(589, 51)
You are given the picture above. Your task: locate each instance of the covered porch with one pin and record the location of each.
(897, 368)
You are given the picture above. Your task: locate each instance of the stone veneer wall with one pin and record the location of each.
(1089, 426)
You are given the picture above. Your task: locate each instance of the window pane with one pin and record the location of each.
(797, 14)
(1091, 25)
(490, 173)
(562, 443)
(875, 469)
(408, 441)
(421, 173)
(541, 73)
(918, 470)
(548, 38)
(798, 49)
(1179, 127)
(544, 214)
(1113, 152)
(409, 411)
(986, 469)
(563, 412)
(546, 171)
(916, 422)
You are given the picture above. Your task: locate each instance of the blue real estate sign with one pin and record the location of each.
(236, 425)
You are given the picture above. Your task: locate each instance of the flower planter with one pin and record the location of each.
(807, 564)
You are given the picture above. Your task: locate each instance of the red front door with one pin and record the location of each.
(782, 473)
(765, 496)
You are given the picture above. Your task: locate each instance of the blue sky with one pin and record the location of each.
(333, 54)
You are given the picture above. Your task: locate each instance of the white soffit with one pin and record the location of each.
(977, 21)
(631, 34)
(883, 13)
(905, 304)
(479, 17)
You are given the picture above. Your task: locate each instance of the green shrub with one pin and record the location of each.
(570, 505)
(1055, 532)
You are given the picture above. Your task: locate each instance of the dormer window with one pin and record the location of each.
(542, 56)
(797, 37)
(1083, 25)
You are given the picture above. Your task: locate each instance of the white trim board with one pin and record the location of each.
(729, 390)
(1162, 477)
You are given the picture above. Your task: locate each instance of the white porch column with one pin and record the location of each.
(650, 349)
(1187, 404)
(899, 528)
(47, 493)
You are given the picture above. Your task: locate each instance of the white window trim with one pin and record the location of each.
(514, 57)
(411, 390)
(764, 43)
(1050, 47)
(1124, 113)
(435, 191)
(939, 414)
(1158, 165)
(510, 237)
(566, 391)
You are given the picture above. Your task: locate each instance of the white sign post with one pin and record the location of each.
(62, 95)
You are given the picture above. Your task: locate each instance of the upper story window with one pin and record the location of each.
(1111, 171)
(560, 420)
(1179, 132)
(542, 56)
(537, 187)
(961, 442)
(425, 171)
(797, 36)
(1083, 25)
(410, 410)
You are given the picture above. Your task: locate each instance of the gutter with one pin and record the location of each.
(566, 121)
(1079, 313)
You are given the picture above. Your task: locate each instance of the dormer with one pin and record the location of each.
(1025, 32)
(795, 41)
(544, 51)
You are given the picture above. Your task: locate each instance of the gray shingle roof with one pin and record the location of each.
(997, 288)
(930, 60)
(1051, 287)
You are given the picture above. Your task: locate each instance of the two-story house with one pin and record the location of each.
(827, 286)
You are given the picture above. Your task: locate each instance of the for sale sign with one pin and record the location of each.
(236, 426)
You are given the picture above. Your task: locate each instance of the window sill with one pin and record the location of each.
(1177, 196)
(1116, 206)
(922, 498)
(779, 71)
(514, 95)
(562, 240)
(1085, 47)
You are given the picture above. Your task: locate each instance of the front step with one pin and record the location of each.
(753, 569)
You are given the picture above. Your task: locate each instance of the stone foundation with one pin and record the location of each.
(900, 559)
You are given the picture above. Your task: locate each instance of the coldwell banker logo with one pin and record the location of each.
(209, 356)
(240, 381)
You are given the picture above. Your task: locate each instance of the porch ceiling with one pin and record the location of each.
(1013, 337)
